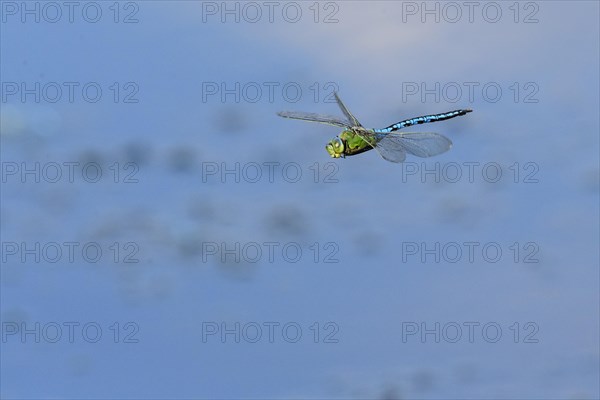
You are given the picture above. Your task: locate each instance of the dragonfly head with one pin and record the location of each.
(335, 148)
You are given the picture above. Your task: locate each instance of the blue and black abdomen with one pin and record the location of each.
(423, 120)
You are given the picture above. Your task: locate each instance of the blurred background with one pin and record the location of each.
(166, 235)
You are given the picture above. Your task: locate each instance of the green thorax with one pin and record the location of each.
(354, 144)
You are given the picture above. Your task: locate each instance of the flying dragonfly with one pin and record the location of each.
(391, 145)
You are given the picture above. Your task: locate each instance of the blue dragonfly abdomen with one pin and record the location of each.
(422, 120)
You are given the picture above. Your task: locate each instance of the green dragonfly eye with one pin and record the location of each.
(335, 147)
(337, 144)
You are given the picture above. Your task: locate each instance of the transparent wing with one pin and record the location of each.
(320, 118)
(420, 144)
(392, 151)
(346, 112)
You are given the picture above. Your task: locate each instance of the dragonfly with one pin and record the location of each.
(390, 144)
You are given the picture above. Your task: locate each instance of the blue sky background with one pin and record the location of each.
(175, 131)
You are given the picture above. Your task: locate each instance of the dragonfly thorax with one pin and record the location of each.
(348, 143)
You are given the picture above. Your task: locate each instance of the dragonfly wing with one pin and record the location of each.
(420, 144)
(345, 110)
(320, 118)
(392, 151)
